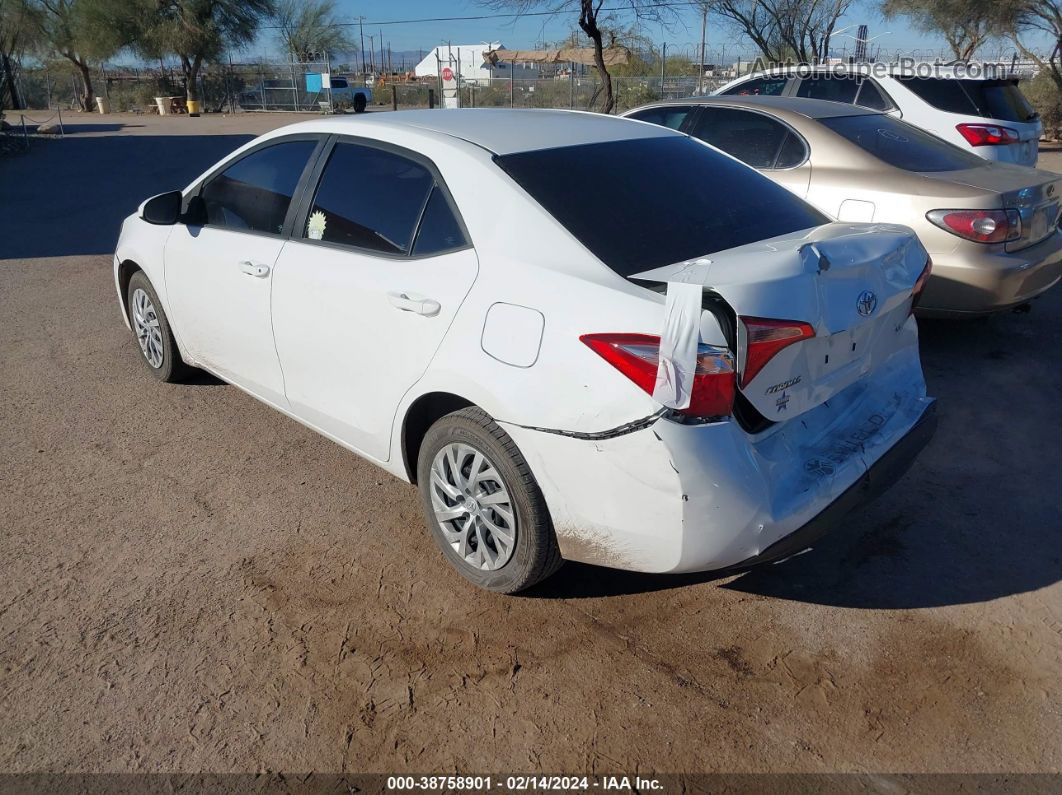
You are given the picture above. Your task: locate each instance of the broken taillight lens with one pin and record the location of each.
(920, 284)
(637, 356)
(981, 226)
(764, 338)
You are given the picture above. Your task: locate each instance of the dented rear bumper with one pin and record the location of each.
(677, 498)
(878, 478)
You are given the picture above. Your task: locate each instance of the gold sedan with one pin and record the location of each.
(992, 229)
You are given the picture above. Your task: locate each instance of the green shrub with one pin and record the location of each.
(1046, 97)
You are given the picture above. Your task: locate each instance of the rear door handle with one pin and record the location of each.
(420, 306)
(248, 267)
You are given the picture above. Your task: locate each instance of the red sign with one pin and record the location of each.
(447, 74)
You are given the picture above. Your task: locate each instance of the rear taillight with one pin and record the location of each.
(637, 356)
(981, 226)
(764, 338)
(987, 134)
(920, 284)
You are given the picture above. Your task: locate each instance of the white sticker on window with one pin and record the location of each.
(315, 227)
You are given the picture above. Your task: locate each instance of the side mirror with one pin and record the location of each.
(164, 209)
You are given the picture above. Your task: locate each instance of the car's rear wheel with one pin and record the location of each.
(152, 330)
(359, 103)
(485, 509)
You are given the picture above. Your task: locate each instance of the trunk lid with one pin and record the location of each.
(1036, 195)
(851, 282)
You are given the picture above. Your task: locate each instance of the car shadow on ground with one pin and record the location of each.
(68, 196)
(976, 518)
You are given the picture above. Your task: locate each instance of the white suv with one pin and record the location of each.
(989, 117)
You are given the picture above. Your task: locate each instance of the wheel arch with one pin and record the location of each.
(126, 269)
(422, 413)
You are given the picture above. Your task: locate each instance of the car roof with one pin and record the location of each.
(942, 71)
(811, 108)
(501, 131)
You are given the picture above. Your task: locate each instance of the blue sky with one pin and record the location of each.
(683, 35)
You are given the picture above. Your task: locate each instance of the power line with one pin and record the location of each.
(481, 17)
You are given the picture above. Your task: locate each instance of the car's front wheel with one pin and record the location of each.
(152, 330)
(485, 509)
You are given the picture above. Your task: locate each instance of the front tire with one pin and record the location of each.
(484, 508)
(151, 329)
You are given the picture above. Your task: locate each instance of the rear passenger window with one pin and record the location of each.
(439, 230)
(942, 93)
(669, 116)
(752, 138)
(833, 89)
(870, 96)
(792, 153)
(253, 193)
(369, 198)
(760, 86)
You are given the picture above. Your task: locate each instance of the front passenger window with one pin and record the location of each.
(253, 193)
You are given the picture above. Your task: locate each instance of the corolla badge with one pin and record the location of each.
(866, 303)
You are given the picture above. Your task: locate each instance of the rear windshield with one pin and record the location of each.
(900, 144)
(650, 202)
(989, 99)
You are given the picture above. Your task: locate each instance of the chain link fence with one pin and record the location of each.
(296, 87)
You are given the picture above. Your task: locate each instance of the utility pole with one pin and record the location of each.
(663, 63)
(361, 32)
(372, 49)
(381, 51)
(700, 70)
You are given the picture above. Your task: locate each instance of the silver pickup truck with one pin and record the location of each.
(279, 95)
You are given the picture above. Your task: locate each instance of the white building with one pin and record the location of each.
(466, 60)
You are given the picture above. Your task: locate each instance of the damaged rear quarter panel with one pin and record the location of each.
(614, 502)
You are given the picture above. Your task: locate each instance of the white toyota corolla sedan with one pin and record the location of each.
(583, 337)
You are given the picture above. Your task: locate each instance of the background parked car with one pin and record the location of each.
(991, 228)
(990, 117)
(278, 95)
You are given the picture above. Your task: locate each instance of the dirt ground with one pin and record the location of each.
(192, 582)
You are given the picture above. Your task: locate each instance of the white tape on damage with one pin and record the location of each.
(678, 345)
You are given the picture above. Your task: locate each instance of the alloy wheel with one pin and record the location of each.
(473, 506)
(147, 327)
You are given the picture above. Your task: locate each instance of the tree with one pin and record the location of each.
(18, 33)
(309, 29)
(1026, 18)
(785, 30)
(195, 31)
(964, 24)
(593, 25)
(64, 27)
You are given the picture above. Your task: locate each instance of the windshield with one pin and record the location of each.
(900, 144)
(650, 202)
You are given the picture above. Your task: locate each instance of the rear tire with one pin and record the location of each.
(359, 103)
(484, 508)
(151, 329)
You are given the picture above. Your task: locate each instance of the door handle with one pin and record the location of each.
(421, 306)
(248, 267)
